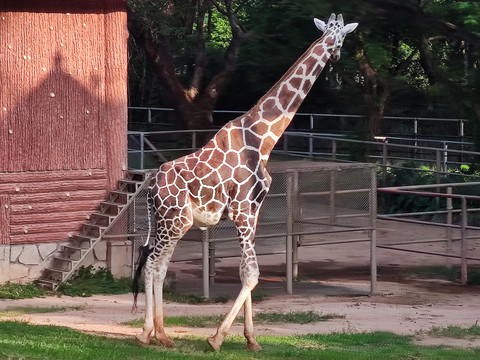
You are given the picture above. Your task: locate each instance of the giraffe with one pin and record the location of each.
(228, 175)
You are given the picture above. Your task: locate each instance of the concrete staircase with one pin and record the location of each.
(69, 258)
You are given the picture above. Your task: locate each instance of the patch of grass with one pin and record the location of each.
(20, 291)
(442, 272)
(23, 310)
(456, 332)
(190, 298)
(189, 321)
(295, 317)
(89, 281)
(21, 340)
(299, 317)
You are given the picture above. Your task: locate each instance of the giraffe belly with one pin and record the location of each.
(204, 218)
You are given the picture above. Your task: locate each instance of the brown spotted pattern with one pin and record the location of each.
(228, 175)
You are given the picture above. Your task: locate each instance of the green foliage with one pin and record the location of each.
(456, 332)
(55, 343)
(22, 310)
(20, 291)
(89, 281)
(295, 317)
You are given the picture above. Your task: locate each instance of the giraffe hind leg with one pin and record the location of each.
(148, 326)
(249, 274)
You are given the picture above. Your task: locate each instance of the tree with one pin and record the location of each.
(173, 29)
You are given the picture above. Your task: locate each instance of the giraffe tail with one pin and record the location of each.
(144, 251)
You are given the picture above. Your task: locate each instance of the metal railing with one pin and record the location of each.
(467, 232)
(416, 127)
(441, 157)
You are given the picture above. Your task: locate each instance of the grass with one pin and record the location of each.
(298, 317)
(23, 310)
(442, 272)
(456, 332)
(20, 291)
(21, 340)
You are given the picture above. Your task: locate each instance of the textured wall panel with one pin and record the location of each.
(63, 86)
(4, 220)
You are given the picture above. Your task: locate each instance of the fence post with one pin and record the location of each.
(211, 257)
(464, 266)
(449, 222)
(289, 240)
(149, 115)
(285, 143)
(438, 167)
(296, 217)
(311, 121)
(445, 157)
(142, 151)
(205, 264)
(384, 162)
(334, 149)
(310, 146)
(373, 231)
(333, 190)
(194, 139)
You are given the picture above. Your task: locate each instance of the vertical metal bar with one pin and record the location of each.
(415, 133)
(205, 265)
(438, 166)
(296, 218)
(449, 229)
(333, 189)
(445, 157)
(194, 139)
(211, 257)
(464, 249)
(288, 249)
(384, 162)
(285, 143)
(310, 146)
(142, 150)
(311, 121)
(373, 231)
(149, 111)
(334, 149)
(373, 261)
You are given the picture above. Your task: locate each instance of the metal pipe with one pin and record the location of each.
(288, 249)
(205, 265)
(464, 249)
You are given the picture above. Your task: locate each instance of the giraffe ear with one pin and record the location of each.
(349, 28)
(320, 24)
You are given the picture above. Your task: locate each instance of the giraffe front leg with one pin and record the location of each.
(249, 275)
(248, 332)
(160, 334)
(144, 337)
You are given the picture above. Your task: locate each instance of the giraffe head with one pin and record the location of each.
(336, 31)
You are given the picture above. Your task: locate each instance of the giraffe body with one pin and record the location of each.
(229, 174)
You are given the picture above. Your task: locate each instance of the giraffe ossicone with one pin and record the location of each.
(228, 174)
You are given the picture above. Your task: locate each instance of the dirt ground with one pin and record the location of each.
(334, 281)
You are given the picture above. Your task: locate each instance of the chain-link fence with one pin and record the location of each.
(309, 204)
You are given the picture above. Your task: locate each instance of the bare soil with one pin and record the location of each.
(334, 281)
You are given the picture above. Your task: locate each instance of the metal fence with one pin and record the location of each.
(309, 204)
(443, 158)
(454, 210)
(404, 126)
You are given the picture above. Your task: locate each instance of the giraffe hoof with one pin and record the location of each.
(165, 341)
(142, 340)
(212, 341)
(253, 346)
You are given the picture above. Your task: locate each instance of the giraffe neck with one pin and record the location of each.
(269, 118)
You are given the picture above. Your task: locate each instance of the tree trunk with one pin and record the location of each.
(376, 93)
(193, 104)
